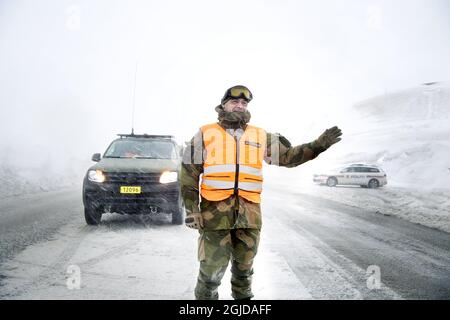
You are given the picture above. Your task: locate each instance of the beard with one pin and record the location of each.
(233, 119)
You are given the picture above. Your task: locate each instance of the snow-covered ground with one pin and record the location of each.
(142, 257)
(126, 260)
(430, 208)
(132, 257)
(311, 248)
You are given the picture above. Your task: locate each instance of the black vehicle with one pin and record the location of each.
(137, 174)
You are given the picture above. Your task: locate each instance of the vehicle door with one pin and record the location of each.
(345, 175)
(355, 175)
(362, 176)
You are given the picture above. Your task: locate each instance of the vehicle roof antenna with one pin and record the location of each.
(134, 98)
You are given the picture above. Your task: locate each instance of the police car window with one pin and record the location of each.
(373, 170)
(146, 149)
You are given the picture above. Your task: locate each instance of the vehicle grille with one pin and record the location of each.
(132, 177)
(141, 198)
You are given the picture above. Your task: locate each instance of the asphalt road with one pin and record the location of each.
(28, 219)
(414, 260)
(311, 248)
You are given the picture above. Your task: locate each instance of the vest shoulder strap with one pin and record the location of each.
(214, 125)
(249, 126)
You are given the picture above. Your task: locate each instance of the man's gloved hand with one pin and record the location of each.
(329, 137)
(194, 220)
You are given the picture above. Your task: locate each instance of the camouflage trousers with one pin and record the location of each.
(215, 248)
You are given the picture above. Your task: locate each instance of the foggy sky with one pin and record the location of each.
(67, 68)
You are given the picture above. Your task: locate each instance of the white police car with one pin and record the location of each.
(364, 175)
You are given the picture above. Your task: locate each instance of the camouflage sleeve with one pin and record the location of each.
(280, 152)
(191, 169)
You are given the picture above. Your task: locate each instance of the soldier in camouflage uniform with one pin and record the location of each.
(230, 228)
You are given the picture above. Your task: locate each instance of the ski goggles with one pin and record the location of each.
(238, 92)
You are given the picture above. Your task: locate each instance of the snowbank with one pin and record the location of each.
(408, 134)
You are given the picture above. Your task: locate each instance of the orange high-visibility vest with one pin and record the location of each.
(231, 166)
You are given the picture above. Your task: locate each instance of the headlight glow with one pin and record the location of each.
(96, 176)
(168, 176)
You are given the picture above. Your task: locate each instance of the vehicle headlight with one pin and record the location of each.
(168, 176)
(96, 176)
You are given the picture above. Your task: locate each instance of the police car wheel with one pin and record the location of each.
(374, 184)
(331, 182)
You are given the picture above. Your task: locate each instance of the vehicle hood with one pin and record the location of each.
(136, 165)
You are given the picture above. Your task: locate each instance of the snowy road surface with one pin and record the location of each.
(312, 247)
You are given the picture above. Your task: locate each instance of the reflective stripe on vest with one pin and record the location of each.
(219, 168)
(217, 184)
(231, 168)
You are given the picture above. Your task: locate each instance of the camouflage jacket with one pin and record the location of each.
(236, 212)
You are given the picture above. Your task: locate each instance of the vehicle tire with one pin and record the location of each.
(373, 184)
(178, 213)
(332, 182)
(178, 216)
(93, 216)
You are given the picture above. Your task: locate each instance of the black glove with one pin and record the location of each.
(329, 137)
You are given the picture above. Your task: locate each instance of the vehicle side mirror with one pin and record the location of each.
(96, 157)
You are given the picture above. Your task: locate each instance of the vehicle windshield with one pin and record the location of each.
(141, 148)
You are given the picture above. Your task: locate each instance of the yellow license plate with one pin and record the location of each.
(130, 189)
